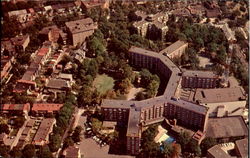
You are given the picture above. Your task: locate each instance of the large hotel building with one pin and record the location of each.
(136, 114)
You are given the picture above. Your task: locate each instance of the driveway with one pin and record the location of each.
(90, 149)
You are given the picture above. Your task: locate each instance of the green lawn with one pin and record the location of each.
(103, 83)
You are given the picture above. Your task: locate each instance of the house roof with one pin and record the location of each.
(242, 146)
(173, 47)
(57, 84)
(19, 40)
(46, 107)
(217, 152)
(16, 107)
(226, 127)
(17, 12)
(43, 130)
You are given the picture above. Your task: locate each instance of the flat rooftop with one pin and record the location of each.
(220, 95)
(133, 122)
(43, 130)
(226, 127)
(196, 73)
(81, 25)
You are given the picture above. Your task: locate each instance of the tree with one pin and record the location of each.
(54, 142)
(167, 150)
(44, 152)
(183, 139)
(152, 88)
(207, 143)
(68, 142)
(96, 124)
(11, 27)
(19, 121)
(176, 150)
(140, 96)
(29, 151)
(124, 86)
(76, 134)
(193, 147)
(16, 152)
(85, 96)
(4, 128)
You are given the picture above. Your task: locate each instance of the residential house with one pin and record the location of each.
(79, 30)
(27, 81)
(57, 86)
(50, 33)
(21, 42)
(42, 135)
(175, 50)
(153, 26)
(21, 15)
(45, 108)
(6, 66)
(217, 152)
(241, 148)
(15, 108)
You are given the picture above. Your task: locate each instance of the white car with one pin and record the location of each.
(78, 143)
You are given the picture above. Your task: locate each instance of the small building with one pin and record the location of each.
(6, 67)
(79, 30)
(21, 15)
(175, 50)
(241, 148)
(21, 42)
(217, 152)
(222, 101)
(42, 134)
(198, 136)
(227, 129)
(72, 152)
(43, 109)
(66, 77)
(15, 108)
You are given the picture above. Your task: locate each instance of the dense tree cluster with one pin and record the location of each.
(188, 145)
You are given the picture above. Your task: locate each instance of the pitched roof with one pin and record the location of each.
(15, 107)
(43, 130)
(173, 47)
(242, 146)
(226, 127)
(217, 152)
(46, 107)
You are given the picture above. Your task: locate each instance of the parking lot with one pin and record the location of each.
(91, 149)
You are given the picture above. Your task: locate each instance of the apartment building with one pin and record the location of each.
(222, 101)
(153, 26)
(45, 109)
(79, 30)
(42, 134)
(175, 50)
(133, 132)
(187, 114)
(199, 79)
(153, 110)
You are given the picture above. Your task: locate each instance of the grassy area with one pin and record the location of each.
(103, 83)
